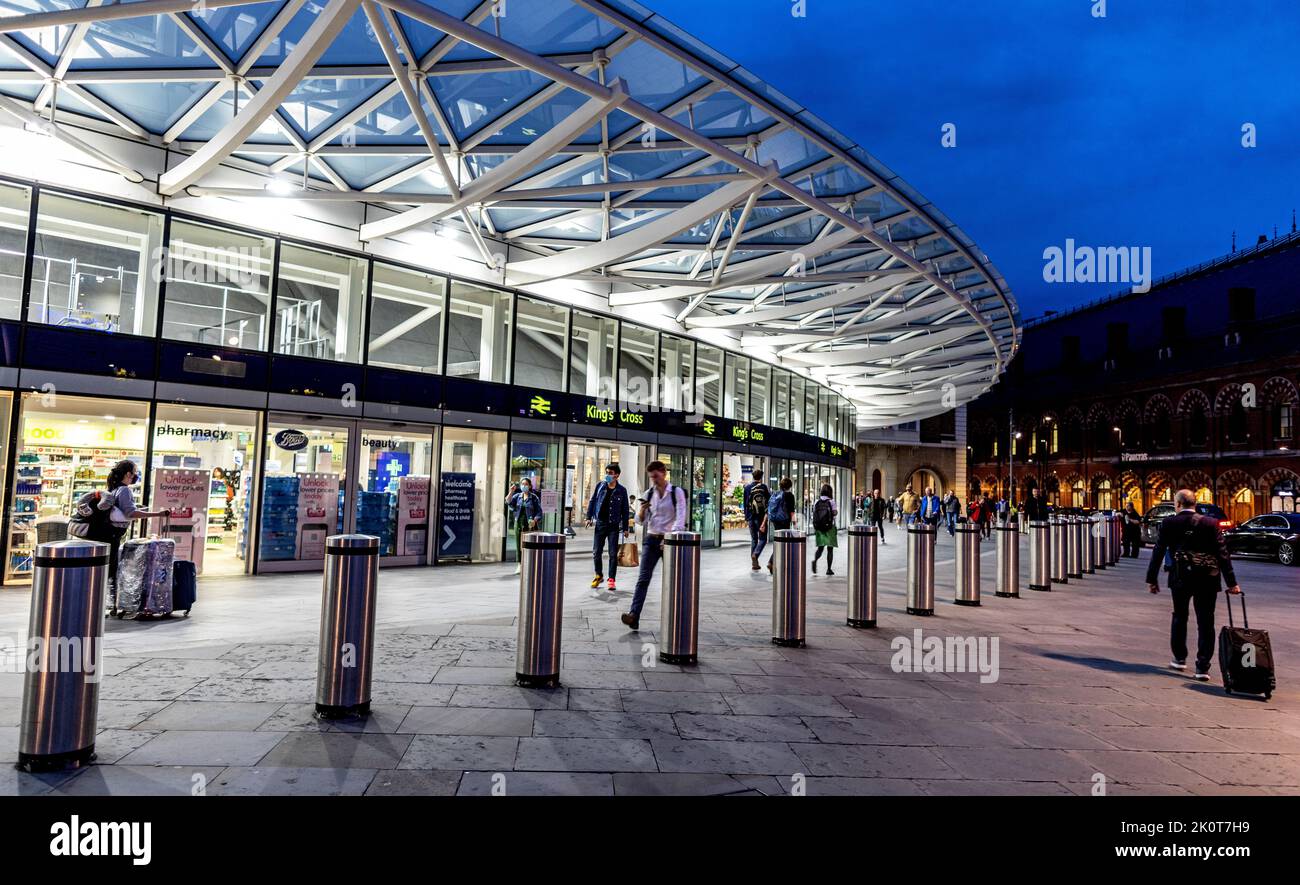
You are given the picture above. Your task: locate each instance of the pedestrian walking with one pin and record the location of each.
(951, 512)
(876, 511)
(662, 510)
(756, 496)
(1200, 564)
(986, 516)
(1036, 506)
(825, 513)
(526, 505)
(929, 507)
(608, 511)
(780, 511)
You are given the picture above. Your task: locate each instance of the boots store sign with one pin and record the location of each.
(291, 440)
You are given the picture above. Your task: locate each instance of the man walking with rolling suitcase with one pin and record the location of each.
(1200, 562)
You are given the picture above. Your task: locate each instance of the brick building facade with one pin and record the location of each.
(1193, 384)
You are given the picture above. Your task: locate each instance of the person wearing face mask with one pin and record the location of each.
(608, 510)
(527, 505)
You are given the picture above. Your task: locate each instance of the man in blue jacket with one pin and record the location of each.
(608, 509)
(930, 507)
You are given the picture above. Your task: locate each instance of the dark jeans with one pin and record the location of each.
(1203, 601)
(879, 523)
(951, 520)
(606, 538)
(651, 551)
(757, 539)
(113, 537)
(1132, 541)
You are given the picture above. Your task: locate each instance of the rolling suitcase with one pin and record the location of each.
(184, 586)
(144, 576)
(1246, 656)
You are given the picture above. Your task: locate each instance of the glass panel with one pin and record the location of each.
(796, 403)
(66, 447)
(676, 356)
(15, 209)
(536, 459)
(204, 461)
(678, 462)
(592, 343)
(471, 495)
(302, 488)
(478, 333)
(406, 319)
(708, 379)
(637, 349)
(539, 344)
(393, 498)
(823, 412)
(218, 286)
(760, 375)
(809, 408)
(742, 388)
(705, 491)
(92, 267)
(780, 398)
(318, 304)
(729, 386)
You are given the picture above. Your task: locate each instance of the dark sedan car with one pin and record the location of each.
(1158, 513)
(1271, 536)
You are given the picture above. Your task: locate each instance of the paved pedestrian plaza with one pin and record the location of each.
(222, 702)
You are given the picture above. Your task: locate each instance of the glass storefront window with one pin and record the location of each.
(760, 377)
(678, 462)
(823, 412)
(394, 486)
(592, 342)
(218, 287)
(780, 398)
(406, 319)
(809, 407)
(796, 403)
(478, 333)
(742, 389)
(538, 459)
(471, 496)
(676, 376)
(318, 304)
(540, 344)
(66, 447)
(708, 379)
(203, 466)
(15, 209)
(303, 486)
(637, 350)
(93, 266)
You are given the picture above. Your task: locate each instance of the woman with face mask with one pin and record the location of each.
(527, 507)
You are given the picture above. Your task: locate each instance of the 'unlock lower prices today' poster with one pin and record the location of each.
(318, 512)
(185, 493)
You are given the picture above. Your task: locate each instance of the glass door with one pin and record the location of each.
(537, 458)
(705, 493)
(584, 469)
(471, 496)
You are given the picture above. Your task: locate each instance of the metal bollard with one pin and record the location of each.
(966, 566)
(920, 569)
(1086, 549)
(679, 609)
(1040, 555)
(1099, 537)
(789, 587)
(541, 606)
(64, 630)
(862, 576)
(346, 658)
(1116, 538)
(1008, 561)
(1060, 550)
(1073, 548)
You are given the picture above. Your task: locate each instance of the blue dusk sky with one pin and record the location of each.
(1117, 131)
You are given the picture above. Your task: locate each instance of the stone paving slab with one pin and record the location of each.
(222, 704)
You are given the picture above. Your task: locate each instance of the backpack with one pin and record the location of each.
(758, 500)
(1191, 567)
(776, 508)
(823, 516)
(86, 515)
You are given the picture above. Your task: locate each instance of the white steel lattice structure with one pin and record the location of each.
(584, 140)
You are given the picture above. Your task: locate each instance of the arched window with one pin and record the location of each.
(1237, 423)
(1198, 427)
(1162, 430)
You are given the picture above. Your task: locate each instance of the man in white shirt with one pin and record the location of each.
(663, 510)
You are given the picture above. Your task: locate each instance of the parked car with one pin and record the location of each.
(1158, 513)
(1271, 535)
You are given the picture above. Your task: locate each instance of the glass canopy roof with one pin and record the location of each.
(607, 142)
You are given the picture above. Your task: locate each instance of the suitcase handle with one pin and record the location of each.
(1245, 622)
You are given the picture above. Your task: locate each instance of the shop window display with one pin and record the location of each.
(393, 501)
(66, 447)
(15, 207)
(203, 462)
(302, 488)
